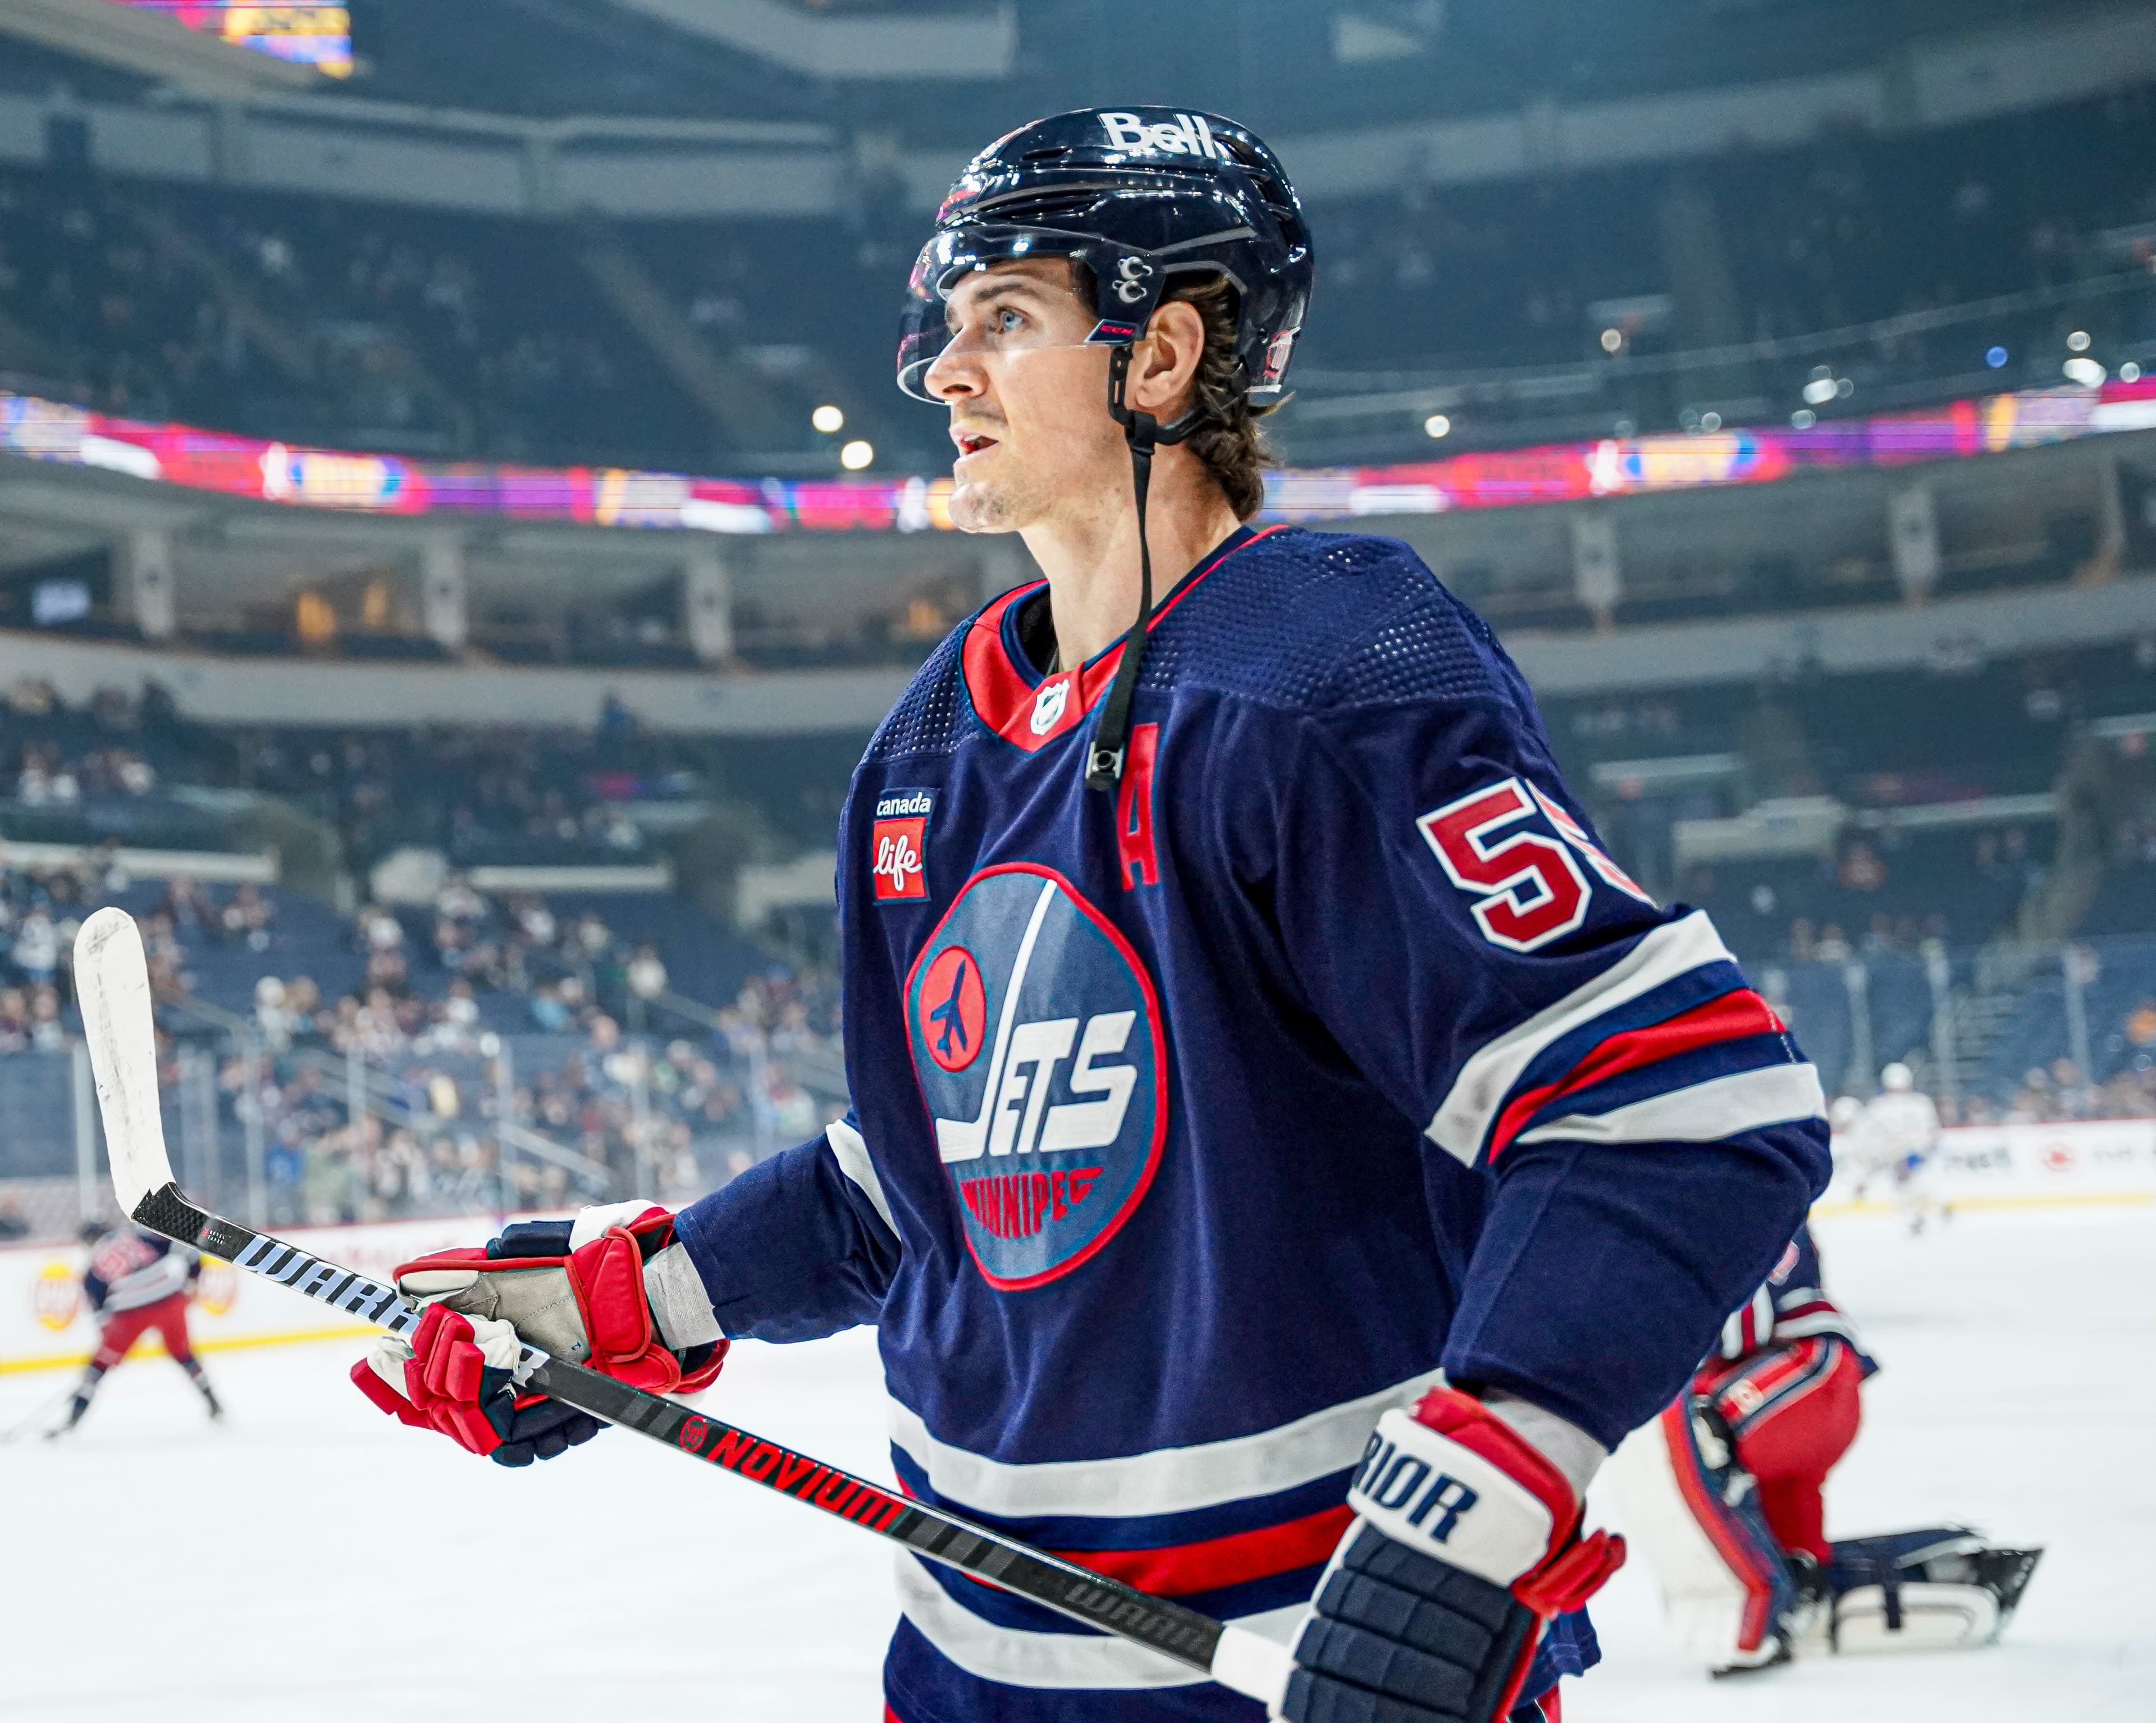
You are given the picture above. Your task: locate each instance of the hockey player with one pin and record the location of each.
(136, 1282)
(1898, 1134)
(1723, 1493)
(1287, 1153)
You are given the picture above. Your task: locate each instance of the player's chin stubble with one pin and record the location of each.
(982, 505)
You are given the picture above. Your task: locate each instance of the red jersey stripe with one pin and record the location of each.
(1178, 1570)
(1009, 704)
(1731, 1017)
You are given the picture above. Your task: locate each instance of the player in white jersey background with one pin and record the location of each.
(1895, 1137)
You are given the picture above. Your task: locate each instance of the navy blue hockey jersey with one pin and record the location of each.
(1196, 1124)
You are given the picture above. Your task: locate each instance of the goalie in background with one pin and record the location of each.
(137, 1281)
(1723, 1494)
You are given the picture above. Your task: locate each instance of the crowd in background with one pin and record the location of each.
(411, 330)
(1854, 229)
(484, 1032)
(124, 763)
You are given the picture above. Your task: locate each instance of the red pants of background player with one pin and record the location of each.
(1794, 1410)
(123, 1328)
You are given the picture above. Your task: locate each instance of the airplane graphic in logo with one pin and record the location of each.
(951, 1040)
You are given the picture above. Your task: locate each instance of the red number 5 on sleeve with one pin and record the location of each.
(1528, 890)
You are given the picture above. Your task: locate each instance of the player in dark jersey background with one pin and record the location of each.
(137, 1283)
(1287, 1153)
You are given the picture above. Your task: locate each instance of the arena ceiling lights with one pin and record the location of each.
(393, 485)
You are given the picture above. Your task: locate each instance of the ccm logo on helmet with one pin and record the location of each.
(1186, 135)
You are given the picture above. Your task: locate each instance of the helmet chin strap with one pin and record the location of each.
(1104, 765)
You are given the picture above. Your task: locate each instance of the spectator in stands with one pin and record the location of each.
(37, 948)
(2140, 1027)
(645, 976)
(537, 922)
(48, 1035)
(13, 1223)
(248, 918)
(1861, 868)
(549, 1011)
(375, 929)
(272, 1016)
(185, 906)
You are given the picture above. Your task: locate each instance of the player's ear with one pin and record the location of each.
(1164, 366)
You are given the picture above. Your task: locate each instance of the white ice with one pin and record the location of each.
(311, 1563)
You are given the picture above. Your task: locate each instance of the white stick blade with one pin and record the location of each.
(112, 986)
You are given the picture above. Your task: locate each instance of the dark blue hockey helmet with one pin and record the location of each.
(1139, 196)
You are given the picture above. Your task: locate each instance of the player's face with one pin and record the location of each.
(1028, 400)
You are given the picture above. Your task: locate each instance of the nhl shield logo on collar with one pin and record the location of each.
(1049, 705)
(898, 845)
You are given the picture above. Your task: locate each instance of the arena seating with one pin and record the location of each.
(400, 329)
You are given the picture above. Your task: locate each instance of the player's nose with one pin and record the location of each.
(957, 373)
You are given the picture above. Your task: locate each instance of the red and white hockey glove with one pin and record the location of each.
(1465, 1540)
(611, 1290)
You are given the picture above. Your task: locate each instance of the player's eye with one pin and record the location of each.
(1009, 322)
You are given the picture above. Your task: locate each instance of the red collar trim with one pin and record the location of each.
(1031, 715)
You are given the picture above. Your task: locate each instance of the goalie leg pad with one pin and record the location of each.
(1793, 1410)
(1918, 1617)
(1683, 1501)
(1940, 1588)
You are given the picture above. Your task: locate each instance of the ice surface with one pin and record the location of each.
(312, 1560)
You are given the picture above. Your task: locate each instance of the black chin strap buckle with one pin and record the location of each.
(1141, 430)
(1104, 763)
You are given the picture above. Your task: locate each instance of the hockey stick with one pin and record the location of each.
(36, 1415)
(112, 985)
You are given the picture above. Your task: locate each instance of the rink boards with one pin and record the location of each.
(2093, 1164)
(46, 1324)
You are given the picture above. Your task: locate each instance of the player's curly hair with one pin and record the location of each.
(1228, 436)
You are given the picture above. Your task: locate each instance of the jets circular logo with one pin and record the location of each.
(1037, 1043)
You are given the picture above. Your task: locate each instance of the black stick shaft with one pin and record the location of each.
(1184, 1634)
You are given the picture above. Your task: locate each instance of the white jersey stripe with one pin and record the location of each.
(1021, 1658)
(1818, 1323)
(1490, 1073)
(159, 1280)
(850, 1150)
(1168, 1480)
(1705, 1112)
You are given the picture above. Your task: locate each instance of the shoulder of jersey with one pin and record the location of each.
(1296, 619)
(1316, 621)
(932, 716)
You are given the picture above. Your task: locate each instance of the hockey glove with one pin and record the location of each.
(611, 1290)
(1465, 1542)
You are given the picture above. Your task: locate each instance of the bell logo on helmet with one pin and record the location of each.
(1132, 275)
(1186, 135)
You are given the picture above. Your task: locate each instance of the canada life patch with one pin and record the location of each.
(898, 845)
(1038, 1045)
